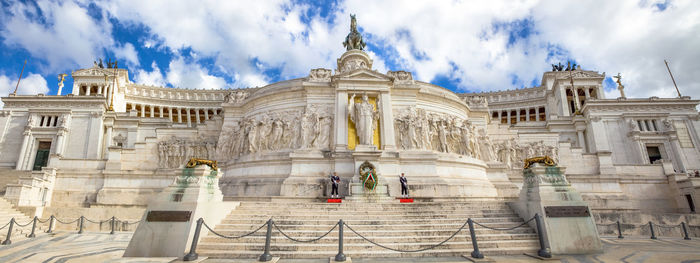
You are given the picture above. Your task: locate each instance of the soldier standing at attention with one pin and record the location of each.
(335, 180)
(404, 186)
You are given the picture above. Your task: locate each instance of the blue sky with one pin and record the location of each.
(465, 47)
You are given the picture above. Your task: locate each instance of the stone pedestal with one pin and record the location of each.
(195, 190)
(547, 187)
(358, 192)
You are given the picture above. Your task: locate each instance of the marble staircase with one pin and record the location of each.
(7, 212)
(403, 226)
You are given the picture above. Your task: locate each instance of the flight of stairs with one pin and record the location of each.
(406, 226)
(7, 212)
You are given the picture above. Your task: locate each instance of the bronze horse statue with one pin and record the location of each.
(354, 39)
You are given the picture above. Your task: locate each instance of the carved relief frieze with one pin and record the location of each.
(320, 75)
(276, 131)
(176, 151)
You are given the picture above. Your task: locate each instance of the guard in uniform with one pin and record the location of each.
(404, 186)
(335, 180)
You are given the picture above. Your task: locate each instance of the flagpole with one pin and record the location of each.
(20, 77)
(674, 80)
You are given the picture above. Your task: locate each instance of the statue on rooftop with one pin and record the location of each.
(354, 39)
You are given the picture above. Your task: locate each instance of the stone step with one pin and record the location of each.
(349, 215)
(387, 208)
(367, 254)
(371, 233)
(366, 227)
(463, 236)
(366, 246)
(249, 221)
(386, 211)
(405, 226)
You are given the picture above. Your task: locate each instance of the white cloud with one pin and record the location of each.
(128, 52)
(30, 84)
(154, 77)
(192, 76)
(470, 43)
(65, 37)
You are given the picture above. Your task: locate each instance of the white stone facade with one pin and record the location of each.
(112, 142)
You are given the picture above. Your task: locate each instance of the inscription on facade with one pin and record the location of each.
(168, 216)
(566, 211)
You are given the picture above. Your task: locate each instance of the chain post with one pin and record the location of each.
(619, 230)
(476, 253)
(685, 231)
(50, 224)
(340, 256)
(32, 235)
(9, 232)
(112, 226)
(192, 255)
(268, 236)
(651, 228)
(80, 230)
(544, 251)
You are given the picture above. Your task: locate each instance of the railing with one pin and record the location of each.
(340, 256)
(81, 223)
(683, 228)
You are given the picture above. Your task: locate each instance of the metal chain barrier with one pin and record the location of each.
(43, 222)
(409, 251)
(95, 222)
(667, 226)
(303, 241)
(611, 224)
(8, 223)
(21, 225)
(232, 237)
(71, 222)
(504, 229)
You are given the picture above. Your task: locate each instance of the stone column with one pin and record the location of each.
(537, 114)
(576, 99)
(527, 114)
(500, 116)
(517, 115)
(677, 152)
(152, 111)
(143, 110)
(189, 118)
(109, 94)
(108, 138)
(160, 111)
(206, 114)
(87, 91)
(581, 140)
(588, 93)
(23, 149)
(170, 114)
(387, 123)
(179, 115)
(341, 121)
(196, 114)
(508, 117)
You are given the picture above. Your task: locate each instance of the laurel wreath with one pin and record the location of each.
(368, 175)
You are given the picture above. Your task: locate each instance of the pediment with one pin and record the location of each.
(363, 74)
(94, 71)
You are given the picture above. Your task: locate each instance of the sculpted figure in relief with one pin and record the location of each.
(274, 131)
(175, 152)
(364, 117)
